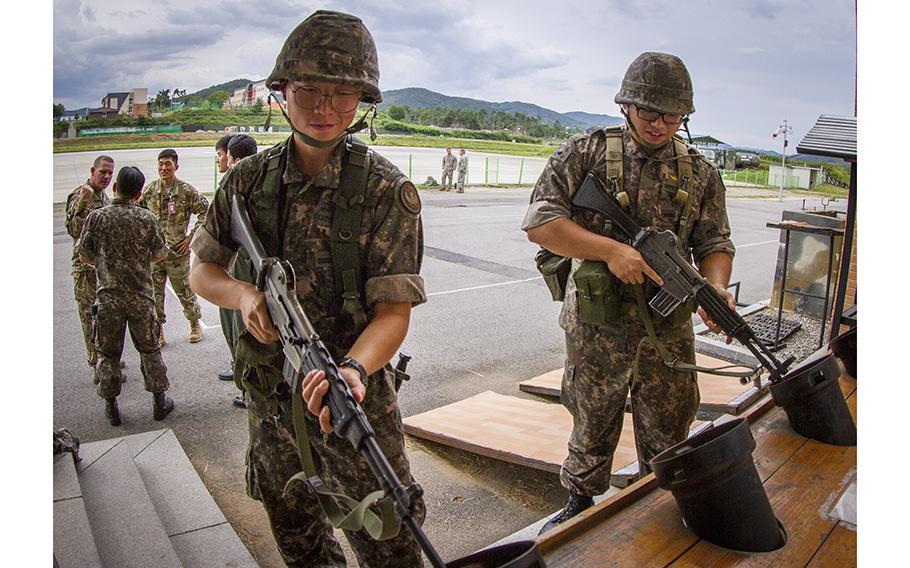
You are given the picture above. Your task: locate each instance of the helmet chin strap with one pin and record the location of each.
(309, 140)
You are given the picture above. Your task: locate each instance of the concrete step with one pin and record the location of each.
(127, 530)
(198, 530)
(74, 545)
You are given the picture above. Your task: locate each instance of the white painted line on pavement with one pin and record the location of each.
(485, 286)
(475, 373)
(756, 244)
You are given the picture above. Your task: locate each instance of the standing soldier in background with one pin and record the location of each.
(352, 233)
(221, 157)
(80, 202)
(173, 201)
(122, 240)
(462, 170)
(611, 350)
(239, 147)
(226, 316)
(448, 168)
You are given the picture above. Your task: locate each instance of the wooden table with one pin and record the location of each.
(642, 525)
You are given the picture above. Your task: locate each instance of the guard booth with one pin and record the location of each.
(835, 136)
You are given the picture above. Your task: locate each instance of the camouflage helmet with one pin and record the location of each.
(330, 47)
(657, 81)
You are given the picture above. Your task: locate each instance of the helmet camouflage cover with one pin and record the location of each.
(330, 47)
(657, 81)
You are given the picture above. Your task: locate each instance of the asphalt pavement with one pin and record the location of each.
(488, 324)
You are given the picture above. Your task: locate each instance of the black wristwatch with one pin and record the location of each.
(354, 364)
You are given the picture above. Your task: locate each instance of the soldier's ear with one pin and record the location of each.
(115, 185)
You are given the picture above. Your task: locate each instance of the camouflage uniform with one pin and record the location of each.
(123, 238)
(84, 282)
(462, 171)
(391, 243)
(599, 359)
(448, 168)
(173, 207)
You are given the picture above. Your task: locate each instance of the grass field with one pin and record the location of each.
(185, 139)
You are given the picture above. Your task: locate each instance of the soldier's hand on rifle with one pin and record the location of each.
(731, 302)
(255, 314)
(315, 386)
(627, 264)
(183, 247)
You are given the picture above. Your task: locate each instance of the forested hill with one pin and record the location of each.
(417, 97)
(229, 86)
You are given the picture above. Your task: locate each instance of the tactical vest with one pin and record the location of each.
(268, 213)
(601, 297)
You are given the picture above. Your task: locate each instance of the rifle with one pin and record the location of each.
(681, 280)
(305, 351)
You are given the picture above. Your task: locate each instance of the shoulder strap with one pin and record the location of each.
(267, 200)
(346, 224)
(683, 198)
(613, 158)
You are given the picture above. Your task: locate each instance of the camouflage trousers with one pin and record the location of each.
(302, 532)
(177, 270)
(446, 179)
(597, 379)
(84, 288)
(460, 184)
(111, 321)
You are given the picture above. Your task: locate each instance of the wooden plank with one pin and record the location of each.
(838, 550)
(525, 432)
(801, 493)
(718, 394)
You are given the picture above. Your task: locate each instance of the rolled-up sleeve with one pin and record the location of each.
(552, 193)
(711, 230)
(395, 248)
(212, 241)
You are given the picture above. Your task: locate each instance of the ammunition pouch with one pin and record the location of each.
(555, 271)
(598, 293)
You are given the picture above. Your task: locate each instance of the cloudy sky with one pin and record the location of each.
(753, 62)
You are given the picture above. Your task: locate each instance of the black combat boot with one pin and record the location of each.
(576, 504)
(111, 411)
(163, 405)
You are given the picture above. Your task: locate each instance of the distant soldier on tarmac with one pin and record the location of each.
(611, 351)
(462, 170)
(80, 202)
(448, 169)
(122, 240)
(173, 201)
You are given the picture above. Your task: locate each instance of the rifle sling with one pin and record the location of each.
(665, 356)
(342, 511)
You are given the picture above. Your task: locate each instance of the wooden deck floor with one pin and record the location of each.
(642, 526)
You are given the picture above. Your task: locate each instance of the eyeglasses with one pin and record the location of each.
(649, 115)
(309, 97)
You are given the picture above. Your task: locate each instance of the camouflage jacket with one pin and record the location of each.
(463, 164)
(122, 238)
(390, 241)
(448, 162)
(651, 183)
(76, 212)
(173, 207)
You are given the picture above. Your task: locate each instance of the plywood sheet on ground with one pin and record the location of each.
(512, 429)
(718, 394)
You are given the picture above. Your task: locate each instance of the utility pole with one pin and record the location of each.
(784, 129)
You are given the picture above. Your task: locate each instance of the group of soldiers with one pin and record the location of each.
(348, 223)
(119, 268)
(449, 166)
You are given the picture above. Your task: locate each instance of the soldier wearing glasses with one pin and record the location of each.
(662, 183)
(295, 192)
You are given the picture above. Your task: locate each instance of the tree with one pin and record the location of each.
(397, 112)
(163, 99)
(58, 110)
(218, 98)
(178, 93)
(258, 106)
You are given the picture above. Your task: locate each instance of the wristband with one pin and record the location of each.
(354, 364)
